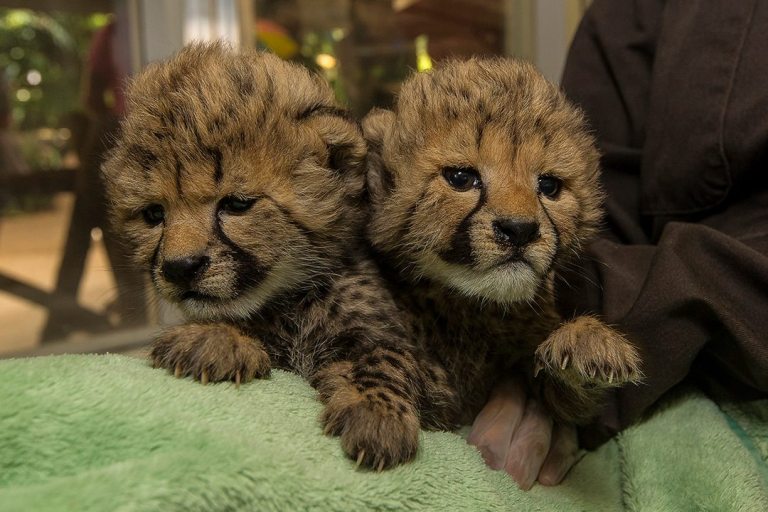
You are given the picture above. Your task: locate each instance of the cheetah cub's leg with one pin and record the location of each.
(585, 351)
(371, 404)
(210, 353)
(581, 360)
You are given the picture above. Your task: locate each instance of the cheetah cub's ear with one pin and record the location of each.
(342, 136)
(377, 125)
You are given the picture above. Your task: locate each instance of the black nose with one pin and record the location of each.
(516, 231)
(183, 271)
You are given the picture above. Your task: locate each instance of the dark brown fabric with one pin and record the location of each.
(676, 91)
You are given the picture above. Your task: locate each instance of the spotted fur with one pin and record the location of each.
(474, 266)
(238, 182)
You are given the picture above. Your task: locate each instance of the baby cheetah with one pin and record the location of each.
(238, 182)
(483, 182)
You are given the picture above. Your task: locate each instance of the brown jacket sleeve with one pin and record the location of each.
(676, 93)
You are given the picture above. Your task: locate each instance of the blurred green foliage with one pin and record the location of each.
(42, 55)
(42, 59)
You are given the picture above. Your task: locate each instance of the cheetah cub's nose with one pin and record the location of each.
(183, 271)
(517, 232)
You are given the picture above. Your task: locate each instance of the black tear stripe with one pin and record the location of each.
(155, 254)
(557, 238)
(251, 272)
(304, 230)
(218, 171)
(153, 260)
(460, 251)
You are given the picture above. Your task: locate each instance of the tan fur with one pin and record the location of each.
(283, 281)
(473, 309)
(208, 105)
(221, 352)
(238, 182)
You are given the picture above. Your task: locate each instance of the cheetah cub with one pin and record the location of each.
(483, 182)
(238, 182)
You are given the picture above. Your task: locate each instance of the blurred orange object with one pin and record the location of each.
(276, 38)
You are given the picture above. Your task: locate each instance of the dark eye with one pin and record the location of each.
(153, 214)
(462, 178)
(549, 186)
(235, 205)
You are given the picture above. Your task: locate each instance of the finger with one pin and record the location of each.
(494, 427)
(506, 397)
(563, 454)
(529, 446)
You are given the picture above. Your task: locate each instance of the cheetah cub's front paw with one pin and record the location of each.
(210, 352)
(372, 437)
(585, 351)
(376, 430)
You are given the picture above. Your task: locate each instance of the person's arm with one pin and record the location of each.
(675, 91)
(699, 295)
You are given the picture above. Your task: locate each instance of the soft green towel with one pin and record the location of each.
(107, 433)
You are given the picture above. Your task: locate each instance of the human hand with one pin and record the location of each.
(515, 433)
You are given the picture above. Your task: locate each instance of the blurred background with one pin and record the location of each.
(65, 285)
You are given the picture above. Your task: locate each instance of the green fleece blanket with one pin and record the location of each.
(100, 433)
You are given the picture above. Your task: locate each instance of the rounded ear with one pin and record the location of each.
(376, 126)
(343, 137)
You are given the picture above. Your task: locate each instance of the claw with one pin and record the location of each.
(564, 365)
(237, 379)
(177, 371)
(537, 369)
(360, 458)
(593, 372)
(380, 467)
(610, 378)
(204, 377)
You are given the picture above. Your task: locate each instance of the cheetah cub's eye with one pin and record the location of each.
(235, 205)
(153, 214)
(462, 178)
(549, 186)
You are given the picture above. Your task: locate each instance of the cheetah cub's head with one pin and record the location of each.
(235, 178)
(483, 178)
